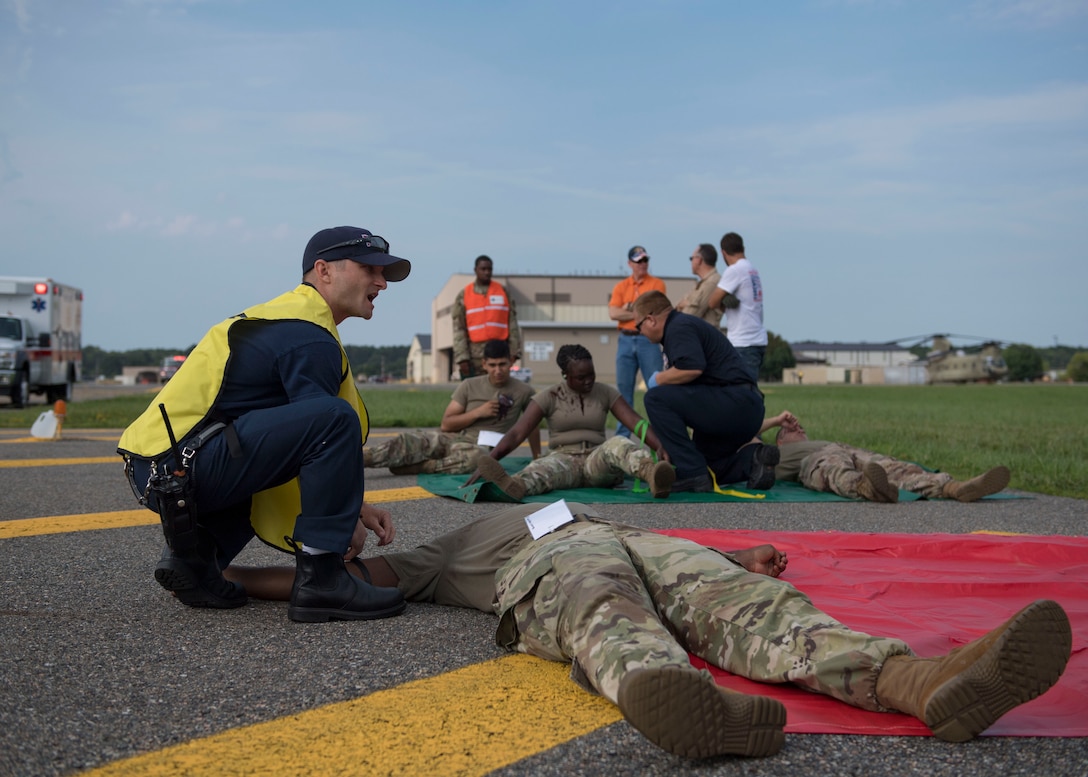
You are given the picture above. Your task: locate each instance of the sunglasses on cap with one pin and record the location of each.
(370, 241)
(642, 260)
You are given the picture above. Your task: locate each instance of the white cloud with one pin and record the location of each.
(1035, 13)
(20, 9)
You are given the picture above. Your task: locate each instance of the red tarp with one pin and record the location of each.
(936, 592)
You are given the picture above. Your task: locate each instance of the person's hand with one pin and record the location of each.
(652, 382)
(370, 519)
(662, 454)
(489, 409)
(785, 418)
(762, 560)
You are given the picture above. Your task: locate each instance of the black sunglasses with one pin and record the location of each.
(643, 260)
(638, 326)
(370, 241)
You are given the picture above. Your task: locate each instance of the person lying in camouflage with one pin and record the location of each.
(624, 606)
(856, 473)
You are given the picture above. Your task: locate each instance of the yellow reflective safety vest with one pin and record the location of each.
(191, 394)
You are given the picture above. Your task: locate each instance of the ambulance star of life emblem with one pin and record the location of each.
(38, 304)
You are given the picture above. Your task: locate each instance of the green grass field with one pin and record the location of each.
(1038, 431)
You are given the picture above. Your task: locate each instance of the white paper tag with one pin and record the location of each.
(490, 439)
(548, 519)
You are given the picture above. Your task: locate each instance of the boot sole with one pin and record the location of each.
(883, 490)
(175, 576)
(662, 479)
(764, 461)
(685, 713)
(1023, 663)
(324, 614)
(493, 472)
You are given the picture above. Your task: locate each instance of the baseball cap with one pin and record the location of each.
(357, 244)
(636, 253)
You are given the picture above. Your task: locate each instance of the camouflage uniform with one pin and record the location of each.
(465, 349)
(603, 466)
(439, 452)
(611, 598)
(836, 468)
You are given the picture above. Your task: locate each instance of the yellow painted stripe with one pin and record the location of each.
(59, 524)
(8, 463)
(468, 722)
(398, 495)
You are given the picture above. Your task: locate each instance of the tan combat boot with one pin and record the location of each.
(874, 484)
(989, 482)
(682, 710)
(961, 694)
(493, 472)
(659, 476)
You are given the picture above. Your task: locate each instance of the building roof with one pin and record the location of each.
(424, 342)
(814, 346)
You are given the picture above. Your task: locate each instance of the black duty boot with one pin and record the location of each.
(764, 460)
(195, 579)
(324, 590)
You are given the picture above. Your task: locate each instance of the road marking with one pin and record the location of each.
(8, 463)
(467, 722)
(59, 524)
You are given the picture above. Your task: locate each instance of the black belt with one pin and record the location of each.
(629, 333)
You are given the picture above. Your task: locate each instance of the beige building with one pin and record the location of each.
(553, 310)
(418, 368)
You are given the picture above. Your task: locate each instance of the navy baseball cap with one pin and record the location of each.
(637, 253)
(356, 244)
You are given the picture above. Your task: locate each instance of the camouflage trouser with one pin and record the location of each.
(602, 467)
(611, 599)
(476, 357)
(836, 468)
(442, 453)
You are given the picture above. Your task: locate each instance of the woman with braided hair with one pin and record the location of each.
(579, 456)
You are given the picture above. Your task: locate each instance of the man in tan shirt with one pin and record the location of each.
(704, 260)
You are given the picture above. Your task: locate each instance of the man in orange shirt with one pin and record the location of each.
(633, 351)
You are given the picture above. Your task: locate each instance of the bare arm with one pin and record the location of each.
(782, 419)
(457, 418)
(620, 313)
(629, 418)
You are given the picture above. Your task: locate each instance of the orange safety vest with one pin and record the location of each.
(487, 316)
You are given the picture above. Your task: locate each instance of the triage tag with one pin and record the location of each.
(490, 439)
(548, 519)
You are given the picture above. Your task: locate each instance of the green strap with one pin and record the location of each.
(640, 431)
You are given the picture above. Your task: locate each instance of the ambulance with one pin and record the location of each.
(41, 349)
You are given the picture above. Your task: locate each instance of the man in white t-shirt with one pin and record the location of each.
(742, 294)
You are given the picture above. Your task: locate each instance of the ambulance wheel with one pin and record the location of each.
(20, 392)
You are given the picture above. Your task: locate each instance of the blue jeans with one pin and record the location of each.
(634, 353)
(752, 356)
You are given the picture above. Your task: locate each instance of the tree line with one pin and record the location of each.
(1025, 362)
(389, 361)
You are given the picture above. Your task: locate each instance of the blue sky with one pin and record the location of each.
(896, 168)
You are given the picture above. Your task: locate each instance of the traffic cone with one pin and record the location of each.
(60, 410)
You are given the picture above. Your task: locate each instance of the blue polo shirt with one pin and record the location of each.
(690, 343)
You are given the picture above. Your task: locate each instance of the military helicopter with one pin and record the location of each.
(980, 363)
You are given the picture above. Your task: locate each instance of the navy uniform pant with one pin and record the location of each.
(722, 420)
(317, 440)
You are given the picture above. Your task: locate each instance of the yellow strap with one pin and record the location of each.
(730, 491)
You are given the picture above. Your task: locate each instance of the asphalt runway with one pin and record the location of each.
(100, 665)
